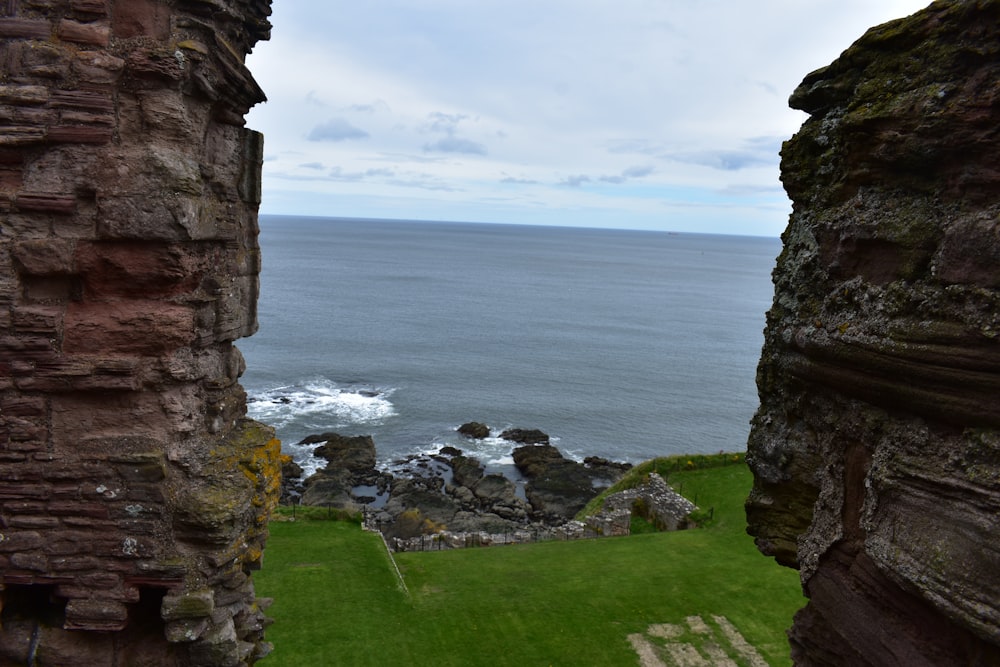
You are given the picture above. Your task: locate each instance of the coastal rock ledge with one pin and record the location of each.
(876, 448)
(454, 494)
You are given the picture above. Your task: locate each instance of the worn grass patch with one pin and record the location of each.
(556, 603)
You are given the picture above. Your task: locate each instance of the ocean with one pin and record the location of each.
(620, 344)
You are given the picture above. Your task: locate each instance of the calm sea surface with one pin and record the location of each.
(622, 344)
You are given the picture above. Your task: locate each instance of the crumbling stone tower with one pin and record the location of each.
(134, 493)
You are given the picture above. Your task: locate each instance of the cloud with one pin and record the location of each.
(338, 174)
(724, 160)
(637, 172)
(313, 99)
(424, 182)
(455, 145)
(631, 172)
(405, 157)
(377, 105)
(638, 146)
(755, 152)
(336, 129)
(575, 181)
(444, 122)
(604, 106)
(749, 190)
(518, 181)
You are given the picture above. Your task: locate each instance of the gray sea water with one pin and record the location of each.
(622, 344)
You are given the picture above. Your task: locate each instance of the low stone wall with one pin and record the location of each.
(572, 530)
(657, 502)
(654, 501)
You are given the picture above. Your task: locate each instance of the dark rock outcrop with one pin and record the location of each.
(876, 448)
(466, 471)
(474, 430)
(526, 436)
(134, 495)
(350, 463)
(452, 491)
(291, 481)
(558, 487)
(352, 453)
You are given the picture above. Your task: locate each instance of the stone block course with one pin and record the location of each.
(128, 266)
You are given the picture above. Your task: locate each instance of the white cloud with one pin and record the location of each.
(336, 129)
(455, 145)
(561, 112)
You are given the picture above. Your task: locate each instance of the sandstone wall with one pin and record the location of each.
(876, 449)
(134, 494)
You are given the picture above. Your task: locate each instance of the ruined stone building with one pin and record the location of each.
(876, 448)
(134, 493)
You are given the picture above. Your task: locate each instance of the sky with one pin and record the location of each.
(637, 114)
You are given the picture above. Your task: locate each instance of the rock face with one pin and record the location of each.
(558, 487)
(350, 463)
(876, 448)
(134, 494)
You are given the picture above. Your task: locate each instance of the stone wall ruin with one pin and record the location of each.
(876, 448)
(134, 493)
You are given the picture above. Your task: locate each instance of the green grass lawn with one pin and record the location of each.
(338, 601)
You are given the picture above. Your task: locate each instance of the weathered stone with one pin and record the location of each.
(192, 604)
(91, 614)
(44, 257)
(526, 436)
(474, 430)
(875, 450)
(495, 488)
(128, 202)
(557, 486)
(466, 471)
(654, 500)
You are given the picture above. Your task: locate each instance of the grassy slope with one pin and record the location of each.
(575, 603)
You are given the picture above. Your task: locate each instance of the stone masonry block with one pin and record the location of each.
(44, 257)
(127, 327)
(99, 615)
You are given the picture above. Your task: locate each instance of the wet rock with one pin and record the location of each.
(350, 463)
(426, 497)
(466, 470)
(557, 487)
(291, 481)
(525, 436)
(495, 489)
(474, 430)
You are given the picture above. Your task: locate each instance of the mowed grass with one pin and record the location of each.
(338, 600)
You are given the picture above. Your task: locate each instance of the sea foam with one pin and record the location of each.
(323, 402)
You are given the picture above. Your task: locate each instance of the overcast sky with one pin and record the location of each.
(644, 114)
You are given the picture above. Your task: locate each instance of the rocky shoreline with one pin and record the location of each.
(451, 497)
